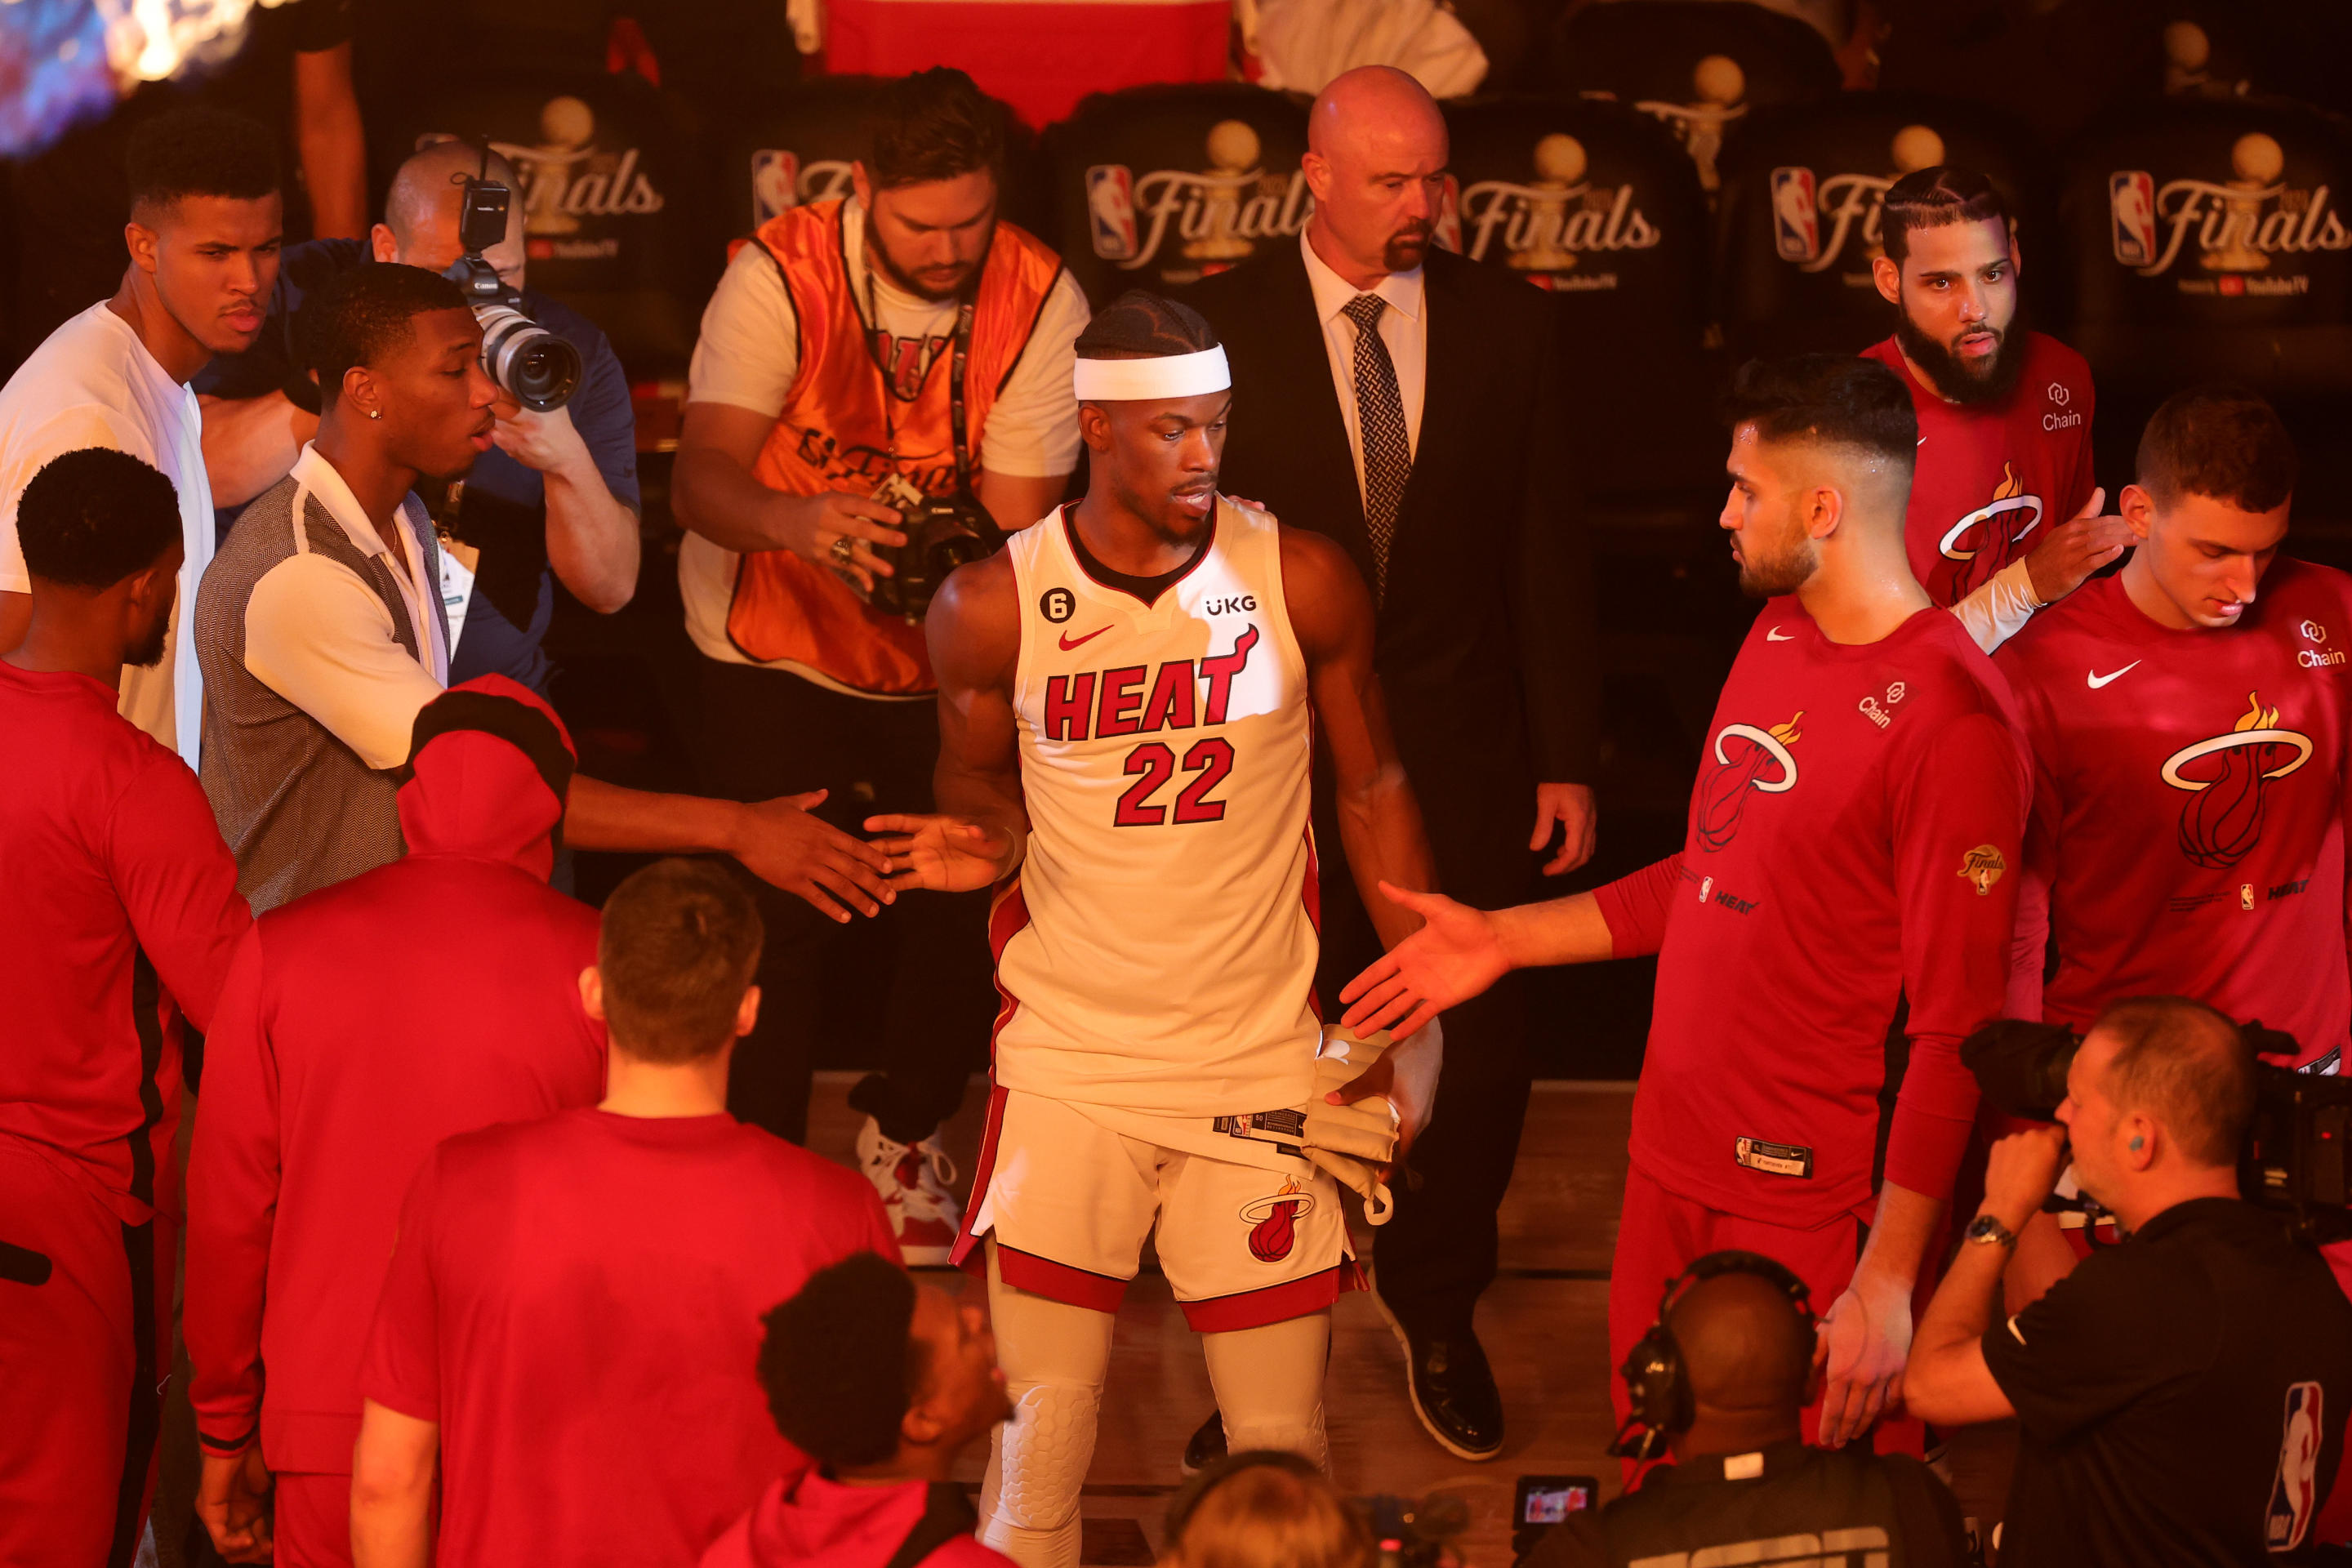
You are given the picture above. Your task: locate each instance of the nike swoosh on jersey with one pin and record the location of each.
(1777, 635)
(1067, 644)
(2098, 681)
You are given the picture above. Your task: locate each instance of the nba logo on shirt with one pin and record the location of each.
(1447, 231)
(1110, 209)
(1796, 221)
(2295, 1494)
(2131, 207)
(775, 183)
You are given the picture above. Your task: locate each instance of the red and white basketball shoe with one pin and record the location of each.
(913, 1181)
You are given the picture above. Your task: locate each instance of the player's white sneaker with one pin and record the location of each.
(913, 1181)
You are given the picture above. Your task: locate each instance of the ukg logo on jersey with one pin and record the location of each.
(1558, 227)
(1215, 217)
(2234, 237)
(567, 177)
(1816, 216)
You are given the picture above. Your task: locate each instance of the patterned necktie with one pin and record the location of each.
(1379, 424)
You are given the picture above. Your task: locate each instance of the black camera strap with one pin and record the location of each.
(959, 356)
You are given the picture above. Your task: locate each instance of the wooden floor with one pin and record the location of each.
(1544, 1325)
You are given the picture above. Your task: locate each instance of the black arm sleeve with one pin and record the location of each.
(1552, 603)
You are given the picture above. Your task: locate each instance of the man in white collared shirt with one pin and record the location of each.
(322, 634)
(204, 237)
(1406, 402)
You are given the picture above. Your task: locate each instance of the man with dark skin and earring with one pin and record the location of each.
(320, 628)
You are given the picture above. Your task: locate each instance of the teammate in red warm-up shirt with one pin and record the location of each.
(2187, 718)
(118, 915)
(2188, 721)
(572, 1313)
(360, 1027)
(2002, 517)
(1858, 811)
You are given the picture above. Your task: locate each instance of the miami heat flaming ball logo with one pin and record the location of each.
(1274, 1222)
(2226, 776)
(1747, 761)
(2013, 512)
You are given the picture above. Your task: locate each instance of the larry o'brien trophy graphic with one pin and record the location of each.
(2250, 231)
(566, 177)
(1850, 203)
(1721, 85)
(1551, 226)
(1209, 220)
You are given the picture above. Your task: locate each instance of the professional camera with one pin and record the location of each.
(2294, 1160)
(531, 364)
(942, 533)
(1414, 1533)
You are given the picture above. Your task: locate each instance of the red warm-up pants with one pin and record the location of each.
(1660, 1234)
(84, 1328)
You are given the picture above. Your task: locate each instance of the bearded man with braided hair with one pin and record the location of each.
(1123, 748)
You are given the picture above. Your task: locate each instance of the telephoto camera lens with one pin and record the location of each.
(536, 366)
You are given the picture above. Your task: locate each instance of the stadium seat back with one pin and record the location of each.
(615, 220)
(1157, 187)
(1699, 66)
(2211, 240)
(1797, 221)
(1597, 203)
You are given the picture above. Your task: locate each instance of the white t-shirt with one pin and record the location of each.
(316, 633)
(93, 383)
(749, 354)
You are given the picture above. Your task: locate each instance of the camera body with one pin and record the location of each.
(535, 366)
(2294, 1158)
(943, 532)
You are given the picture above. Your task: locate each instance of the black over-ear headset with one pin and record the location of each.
(1653, 1368)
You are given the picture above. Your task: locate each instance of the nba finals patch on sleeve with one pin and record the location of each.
(1984, 866)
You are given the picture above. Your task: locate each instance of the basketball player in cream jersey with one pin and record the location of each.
(1127, 697)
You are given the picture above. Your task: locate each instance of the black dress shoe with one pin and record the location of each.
(1208, 1445)
(1452, 1386)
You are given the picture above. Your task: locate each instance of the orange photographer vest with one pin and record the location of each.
(844, 428)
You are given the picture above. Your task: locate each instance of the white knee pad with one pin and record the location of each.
(1302, 1437)
(1047, 1445)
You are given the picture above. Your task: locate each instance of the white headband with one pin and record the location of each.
(1133, 380)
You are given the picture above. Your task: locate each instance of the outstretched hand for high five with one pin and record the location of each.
(943, 854)
(1455, 956)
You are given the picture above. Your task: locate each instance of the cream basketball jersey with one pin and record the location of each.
(1157, 949)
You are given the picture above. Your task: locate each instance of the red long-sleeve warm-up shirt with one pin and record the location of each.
(118, 909)
(360, 1027)
(1853, 841)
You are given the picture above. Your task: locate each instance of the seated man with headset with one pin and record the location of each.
(1720, 1381)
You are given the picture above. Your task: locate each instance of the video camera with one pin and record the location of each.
(2294, 1158)
(1414, 1533)
(535, 366)
(943, 532)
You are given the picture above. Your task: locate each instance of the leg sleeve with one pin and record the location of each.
(1270, 1384)
(1054, 1358)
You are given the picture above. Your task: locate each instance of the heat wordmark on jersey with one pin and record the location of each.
(1167, 959)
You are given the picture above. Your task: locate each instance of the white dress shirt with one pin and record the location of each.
(1404, 327)
(316, 633)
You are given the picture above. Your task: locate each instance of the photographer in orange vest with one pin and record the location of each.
(862, 357)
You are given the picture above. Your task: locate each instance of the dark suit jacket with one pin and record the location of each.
(1485, 639)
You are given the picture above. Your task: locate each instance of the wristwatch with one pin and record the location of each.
(1985, 1230)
